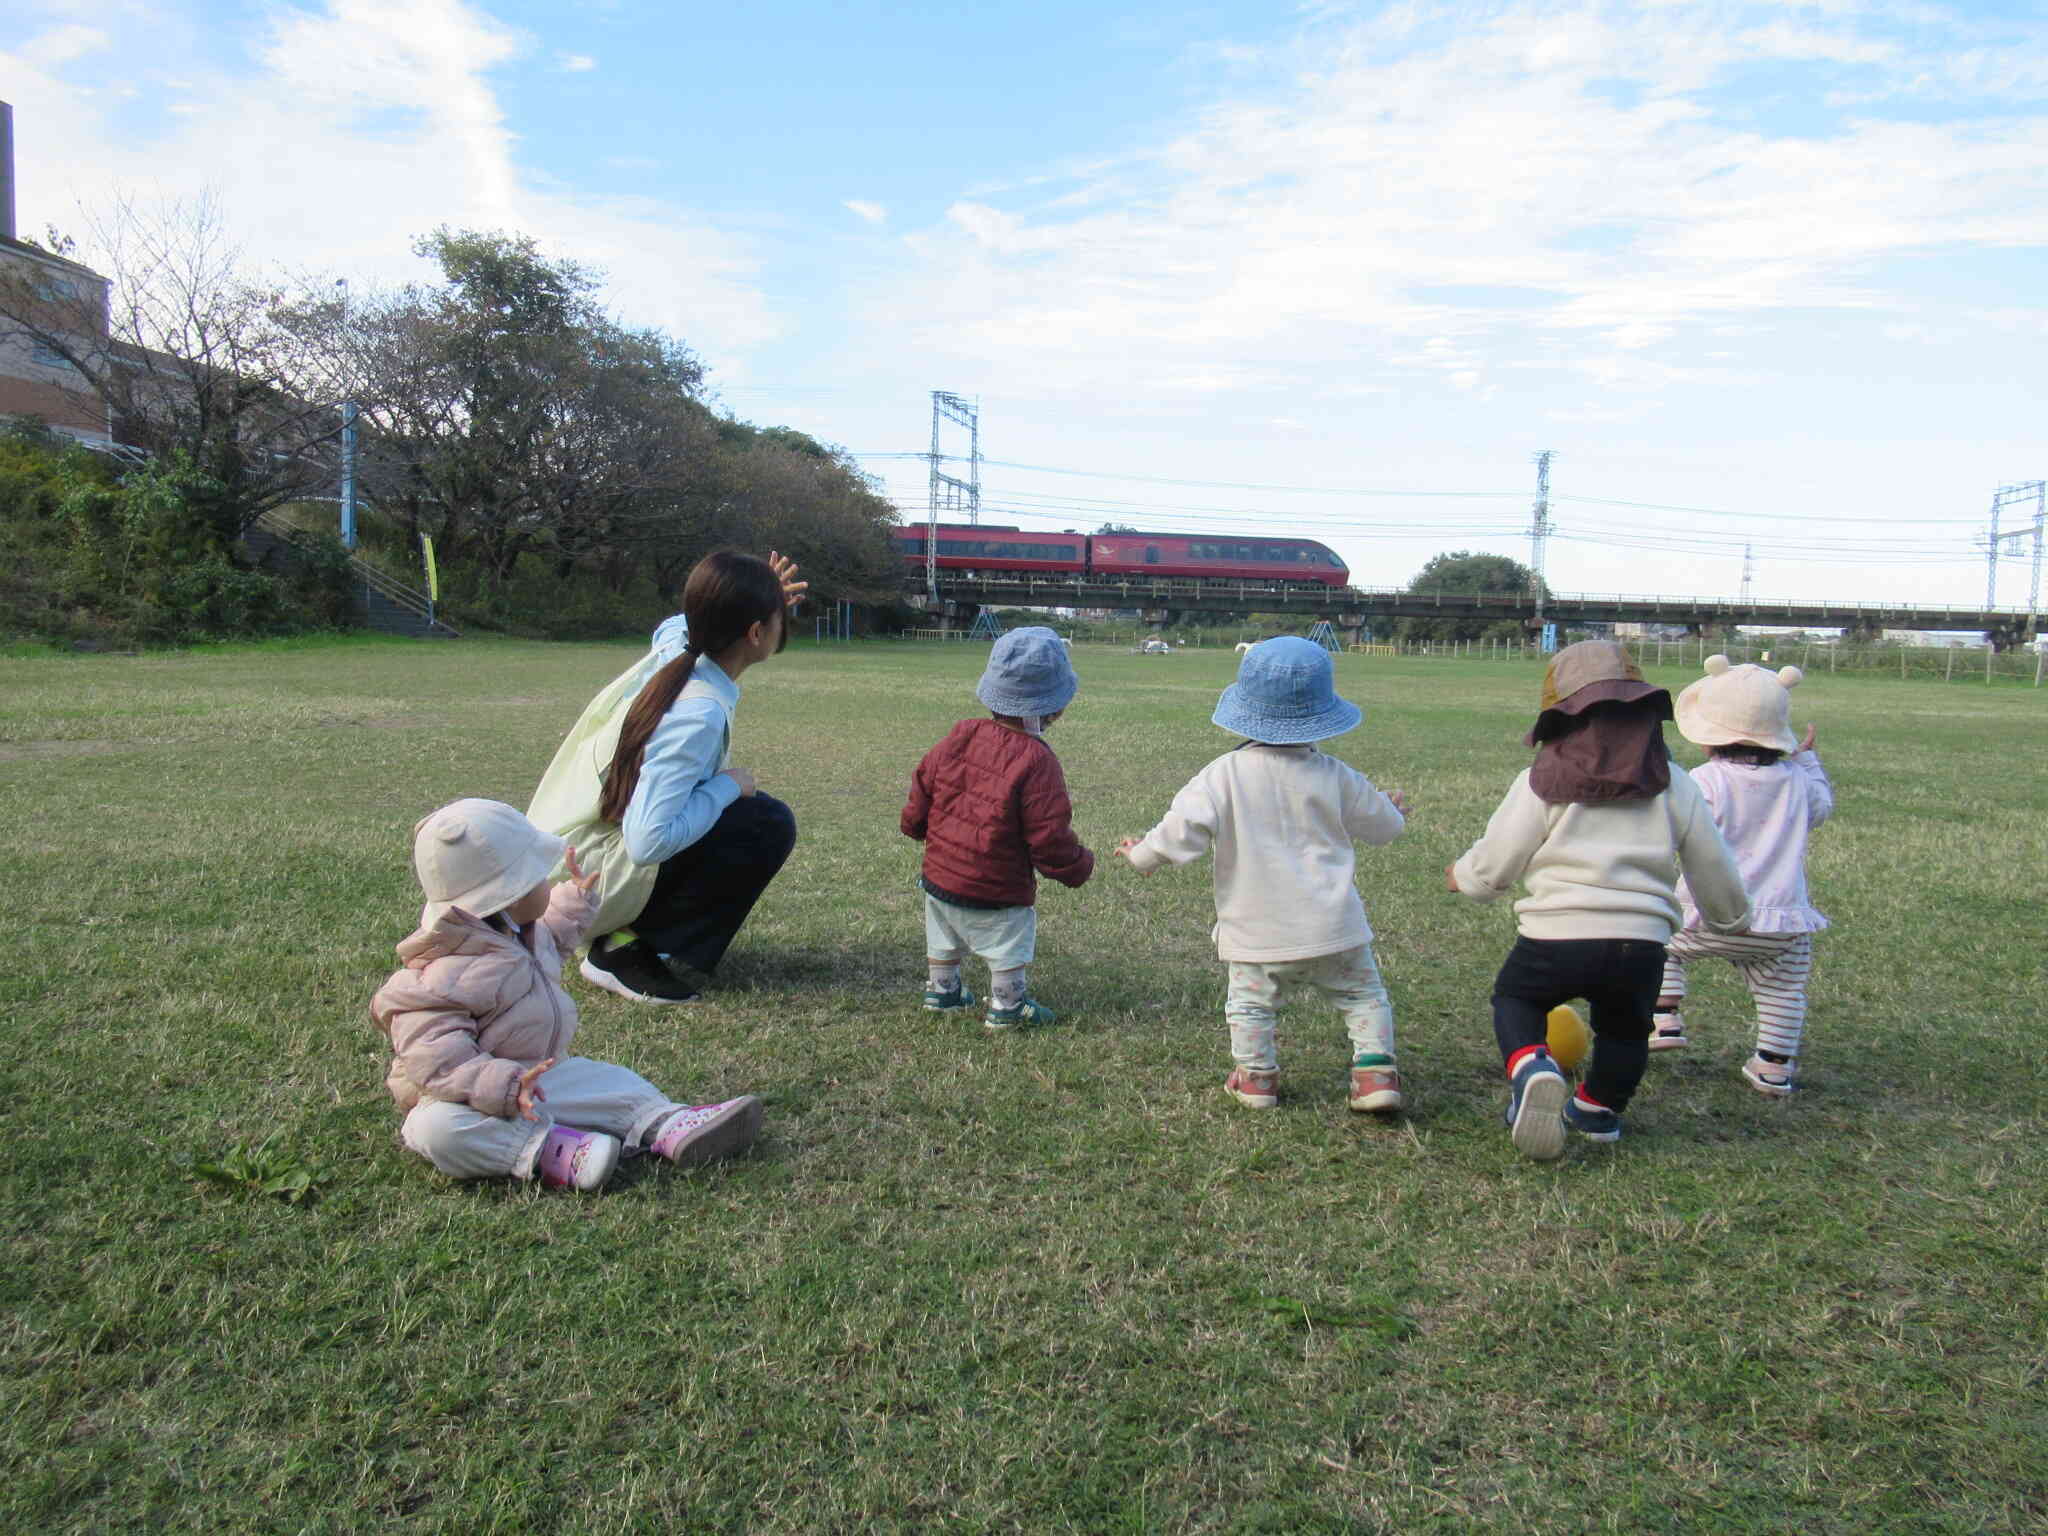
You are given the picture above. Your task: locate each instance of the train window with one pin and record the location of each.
(1151, 554)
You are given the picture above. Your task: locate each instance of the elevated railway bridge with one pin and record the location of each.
(1352, 610)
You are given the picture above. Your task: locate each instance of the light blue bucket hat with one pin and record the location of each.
(1285, 693)
(1028, 674)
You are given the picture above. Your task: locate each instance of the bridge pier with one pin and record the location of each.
(1157, 618)
(1352, 627)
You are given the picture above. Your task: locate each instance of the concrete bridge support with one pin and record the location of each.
(1352, 627)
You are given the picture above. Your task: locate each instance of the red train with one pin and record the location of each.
(988, 549)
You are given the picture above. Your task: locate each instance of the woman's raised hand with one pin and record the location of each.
(785, 572)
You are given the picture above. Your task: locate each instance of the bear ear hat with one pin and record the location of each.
(1791, 677)
(1716, 665)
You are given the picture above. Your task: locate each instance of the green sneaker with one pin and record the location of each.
(946, 1002)
(1026, 1015)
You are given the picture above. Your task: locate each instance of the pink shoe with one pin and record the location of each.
(701, 1133)
(571, 1159)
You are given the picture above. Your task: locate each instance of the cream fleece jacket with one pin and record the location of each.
(1281, 821)
(1607, 871)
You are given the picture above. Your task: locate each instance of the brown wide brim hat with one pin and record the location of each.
(1591, 672)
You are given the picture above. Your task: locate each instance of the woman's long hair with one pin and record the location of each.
(726, 595)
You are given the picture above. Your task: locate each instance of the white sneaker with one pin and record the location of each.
(1669, 1033)
(1770, 1078)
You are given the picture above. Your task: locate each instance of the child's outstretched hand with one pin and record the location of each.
(529, 1088)
(1124, 845)
(1400, 799)
(1806, 742)
(785, 572)
(584, 883)
(1451, 878)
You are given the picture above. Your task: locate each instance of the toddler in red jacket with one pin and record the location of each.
(990, 806)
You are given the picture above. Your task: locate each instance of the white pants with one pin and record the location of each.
(586, 1095)
(1774, 966)
(1352, 979)
(1006, 937)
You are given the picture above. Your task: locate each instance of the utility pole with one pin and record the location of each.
(1539, 531)
(348, 448)
(952, 493)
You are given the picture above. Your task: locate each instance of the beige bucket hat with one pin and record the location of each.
(1745, 704)
(481, 856)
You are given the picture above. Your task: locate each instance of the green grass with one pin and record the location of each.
(1050, 1282)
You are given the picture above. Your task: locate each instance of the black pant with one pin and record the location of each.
(1619, 977)
(703, 894)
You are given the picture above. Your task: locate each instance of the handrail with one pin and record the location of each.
(410, 598)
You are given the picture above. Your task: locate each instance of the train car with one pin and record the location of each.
(987, 549)
(1232, 558)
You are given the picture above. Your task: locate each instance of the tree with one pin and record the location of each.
(1463, 571)
(199, 363)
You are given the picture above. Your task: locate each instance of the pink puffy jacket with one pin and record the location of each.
(472, 1008)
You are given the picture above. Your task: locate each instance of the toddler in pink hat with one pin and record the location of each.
(480, 1025)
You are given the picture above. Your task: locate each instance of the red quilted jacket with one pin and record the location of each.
(989, 803)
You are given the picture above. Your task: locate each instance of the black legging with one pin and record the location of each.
(1619, 977)
(703, 894)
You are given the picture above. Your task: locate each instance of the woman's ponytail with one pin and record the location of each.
(659, 693)
(725, 596)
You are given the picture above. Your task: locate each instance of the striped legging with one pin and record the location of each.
(1774, 966)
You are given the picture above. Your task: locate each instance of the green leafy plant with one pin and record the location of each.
(265, 1170)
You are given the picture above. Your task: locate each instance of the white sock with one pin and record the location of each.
(1006, 989)
(942, 978)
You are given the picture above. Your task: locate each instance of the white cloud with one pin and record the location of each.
(874, 213)
(575, 63)
(1434, 193)
(360, 125)
(61, 45)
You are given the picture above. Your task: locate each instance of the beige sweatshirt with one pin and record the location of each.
(1281, 821)
(1607, 871)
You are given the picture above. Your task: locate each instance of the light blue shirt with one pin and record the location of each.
(681, 792)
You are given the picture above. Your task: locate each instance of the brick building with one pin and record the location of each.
(60, 299)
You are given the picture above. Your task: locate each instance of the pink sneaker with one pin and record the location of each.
(701, 1133)
(571, 1159)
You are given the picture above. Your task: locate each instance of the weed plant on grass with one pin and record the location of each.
(1055, 1281)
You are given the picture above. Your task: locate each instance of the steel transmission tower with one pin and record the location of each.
(1539, 531)
(948, 491)
(2035, 491)
(1748, 571)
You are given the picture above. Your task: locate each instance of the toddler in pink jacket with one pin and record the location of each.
(480, 1025)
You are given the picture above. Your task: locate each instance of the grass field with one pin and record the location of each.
(1051, 1282)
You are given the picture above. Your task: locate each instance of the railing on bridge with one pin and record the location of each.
(1187, 593)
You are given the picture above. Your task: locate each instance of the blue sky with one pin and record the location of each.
(1344, 268)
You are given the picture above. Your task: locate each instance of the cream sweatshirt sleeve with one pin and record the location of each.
(1492, 866)
(1369, 815)
(1183, 834)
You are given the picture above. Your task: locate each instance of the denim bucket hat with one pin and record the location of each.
(1028, 674)
(1285, 693)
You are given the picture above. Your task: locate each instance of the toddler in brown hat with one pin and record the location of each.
(1596, 828)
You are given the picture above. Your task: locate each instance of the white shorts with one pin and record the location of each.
(1006, 937)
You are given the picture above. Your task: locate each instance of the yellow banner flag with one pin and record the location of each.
(433, 575)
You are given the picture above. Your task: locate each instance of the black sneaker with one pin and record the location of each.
(1535, 1117)
(1595, 1122)
(634, 971)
